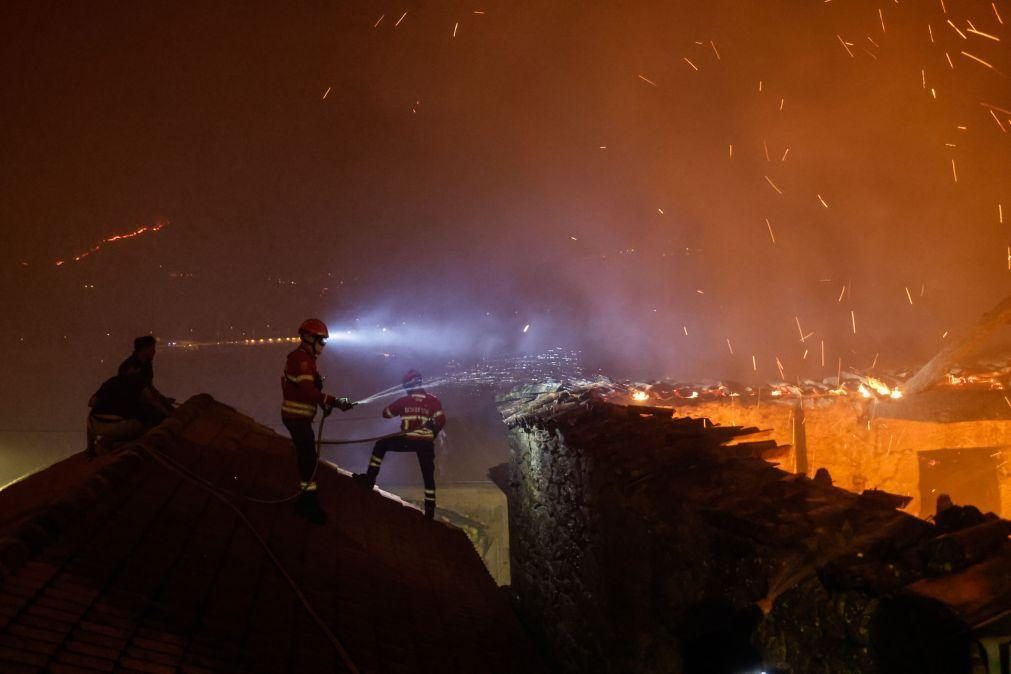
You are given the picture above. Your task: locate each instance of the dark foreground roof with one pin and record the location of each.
(137, 569)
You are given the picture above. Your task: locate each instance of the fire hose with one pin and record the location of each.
(172, 465)
(223, 495)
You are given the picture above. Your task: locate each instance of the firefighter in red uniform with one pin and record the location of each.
(302, 389)
(421, 421)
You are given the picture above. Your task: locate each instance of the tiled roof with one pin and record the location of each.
(138, 569)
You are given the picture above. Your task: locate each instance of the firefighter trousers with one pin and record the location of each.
(305, 447)
(425, 450)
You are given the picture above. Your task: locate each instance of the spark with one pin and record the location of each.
(771, 235)
(715, 50)
(660, 210)
(950, 62)
(954, 172)
(842, 293)
(982, 34)
(845, 45)
(731, 151)
(960, 33)
(799, 330)
(1007, 401)
(853, 320)
(931, 31)
(996, 13)
(1000, 214)
(685, 328)
(754, 363)
(822, 201)
(400, 19)
(881, 15)
(769, 180)
(945, 334)
(455, 27)
(783, 158)
(647, 80)
(526, 327)
(977, 59)
(909, 296)
(376, 24)
(823, 353)
(766, 146)
(326, 93)
(997, 119)
(689, 62)
(779, 366)
(730, 346)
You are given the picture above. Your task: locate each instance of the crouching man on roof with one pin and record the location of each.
(302, 391)
(126, 405)
(116, 414)
(421, 421)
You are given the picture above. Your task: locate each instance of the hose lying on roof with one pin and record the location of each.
(186, 473)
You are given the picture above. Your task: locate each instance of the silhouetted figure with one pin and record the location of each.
(302, 391)
(140, 364)
(116, 414)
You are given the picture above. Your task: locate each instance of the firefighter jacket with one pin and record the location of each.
(421, 415)
(301, 386)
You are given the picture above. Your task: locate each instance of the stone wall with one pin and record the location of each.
(549, 523)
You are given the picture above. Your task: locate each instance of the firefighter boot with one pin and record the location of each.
(308, 507)
(364, 480)
(429, 509)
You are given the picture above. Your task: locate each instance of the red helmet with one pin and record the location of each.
(313, 326)
(412, 379)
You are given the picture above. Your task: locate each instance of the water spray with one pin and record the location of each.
(396, 391)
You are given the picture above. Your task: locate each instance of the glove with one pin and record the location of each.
(345, 404)
(329, 402)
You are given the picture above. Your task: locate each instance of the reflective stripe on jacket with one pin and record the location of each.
(301, 385)
(416, 410)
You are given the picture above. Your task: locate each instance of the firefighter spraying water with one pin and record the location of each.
(302, 390)
(421, 421)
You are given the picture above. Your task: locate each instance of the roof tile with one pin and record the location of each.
(91, 662)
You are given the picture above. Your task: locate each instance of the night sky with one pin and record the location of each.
(601, 172)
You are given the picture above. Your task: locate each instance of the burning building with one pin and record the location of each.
(944, 430)
(646, 543)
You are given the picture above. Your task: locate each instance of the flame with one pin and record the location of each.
(640, 396)
(160, 224)
(864, 391)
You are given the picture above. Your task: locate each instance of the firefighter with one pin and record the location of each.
(302, 390)
(140, 366)
(421, 421)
